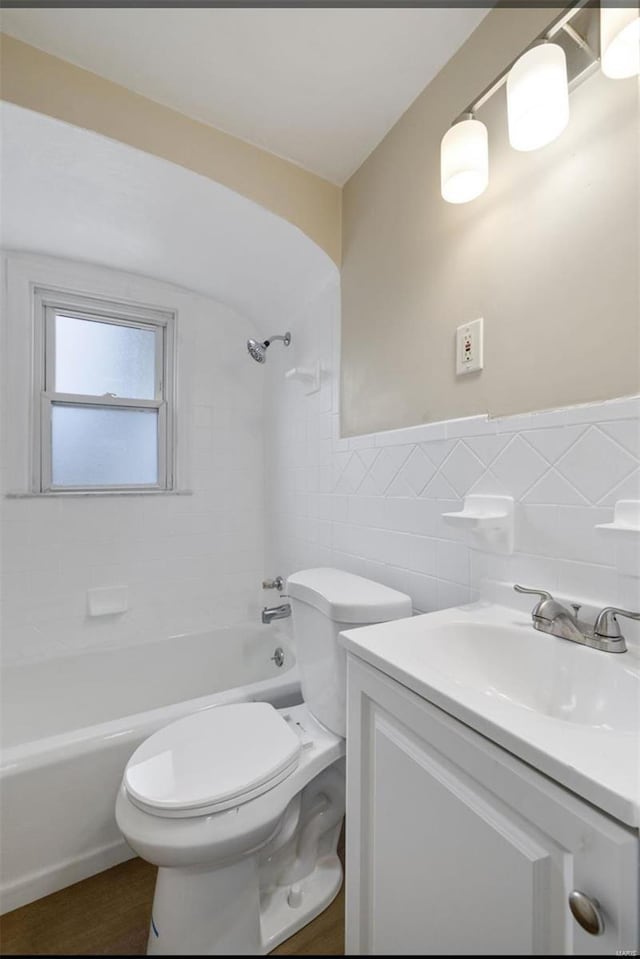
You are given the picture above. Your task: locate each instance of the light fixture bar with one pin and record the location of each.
(580, 41)
(561, 23)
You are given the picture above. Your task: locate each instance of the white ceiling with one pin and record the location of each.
(69, 192)
(320, 87)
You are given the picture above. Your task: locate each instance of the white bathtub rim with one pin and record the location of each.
(45, 751)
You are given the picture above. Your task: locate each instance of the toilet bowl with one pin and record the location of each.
(241, 806)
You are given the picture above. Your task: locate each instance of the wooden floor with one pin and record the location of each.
(108, 915)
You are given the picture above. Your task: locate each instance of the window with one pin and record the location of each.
(104, 410)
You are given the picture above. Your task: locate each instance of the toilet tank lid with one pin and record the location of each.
(346, 598)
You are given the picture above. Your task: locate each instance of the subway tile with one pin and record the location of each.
(627, 554)
(532, 571)
(366, 511)
(394, 548)
(423, 591)
(587, 582)
(452, 594)
(409, 515)
(537, 530)
(453, 561)
(423, 554)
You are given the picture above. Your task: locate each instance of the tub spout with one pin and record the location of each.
(275, 612)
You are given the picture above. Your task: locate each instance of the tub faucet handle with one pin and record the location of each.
(277, 583)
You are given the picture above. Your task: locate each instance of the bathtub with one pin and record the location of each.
(70, 724)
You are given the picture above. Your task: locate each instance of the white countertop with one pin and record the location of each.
(571, 712)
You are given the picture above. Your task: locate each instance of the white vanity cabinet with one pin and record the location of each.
(455, 846)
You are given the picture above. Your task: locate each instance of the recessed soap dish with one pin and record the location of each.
(490, 518)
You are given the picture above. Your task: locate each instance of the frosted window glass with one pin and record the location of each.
(97, 358)
(103, 447)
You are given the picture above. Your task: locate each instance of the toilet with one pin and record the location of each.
(241, 806)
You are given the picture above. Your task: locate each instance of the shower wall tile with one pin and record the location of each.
(382, 508)
(191, 562)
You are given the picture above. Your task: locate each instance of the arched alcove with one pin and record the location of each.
(73, 193)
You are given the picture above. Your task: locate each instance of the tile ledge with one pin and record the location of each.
(624, 407)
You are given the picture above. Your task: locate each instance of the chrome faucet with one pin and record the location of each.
(550, 616)
(275, 612)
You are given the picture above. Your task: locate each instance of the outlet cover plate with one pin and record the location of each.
(469, 347)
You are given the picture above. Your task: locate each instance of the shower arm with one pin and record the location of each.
(286, 339)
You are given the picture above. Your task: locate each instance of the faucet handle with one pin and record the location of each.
(606, 624)
(541, 610)
(277, 583)
(542, 593)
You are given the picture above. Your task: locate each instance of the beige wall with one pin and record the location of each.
(548, 255)
(41, 82)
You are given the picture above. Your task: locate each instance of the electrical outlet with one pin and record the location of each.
(469, 338)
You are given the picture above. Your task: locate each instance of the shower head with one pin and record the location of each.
(258, 350)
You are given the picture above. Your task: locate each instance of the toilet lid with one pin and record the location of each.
(212, 760)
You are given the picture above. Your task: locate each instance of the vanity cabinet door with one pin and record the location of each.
(456, 847)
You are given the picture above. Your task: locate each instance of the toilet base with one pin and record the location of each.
(250, 905)
(292, 907)
(184, 923)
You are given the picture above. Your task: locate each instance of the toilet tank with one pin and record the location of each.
(323, 603)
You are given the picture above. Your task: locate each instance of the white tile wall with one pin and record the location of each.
(191, 562)
(373, 504)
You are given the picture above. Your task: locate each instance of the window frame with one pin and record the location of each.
(49, 302)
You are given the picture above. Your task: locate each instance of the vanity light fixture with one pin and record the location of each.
(538, 83)
(464, 160)
(620, 40)
(537, 97)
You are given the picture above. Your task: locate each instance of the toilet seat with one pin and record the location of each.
(212, 761)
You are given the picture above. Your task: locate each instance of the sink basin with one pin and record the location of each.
(530, 670)
(568, 710)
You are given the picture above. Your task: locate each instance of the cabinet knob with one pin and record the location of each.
(586, 912)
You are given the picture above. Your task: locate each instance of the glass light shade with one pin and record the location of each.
(537, 97)
(464, 161)
(620, 41)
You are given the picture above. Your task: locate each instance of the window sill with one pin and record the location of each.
(101, 492)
